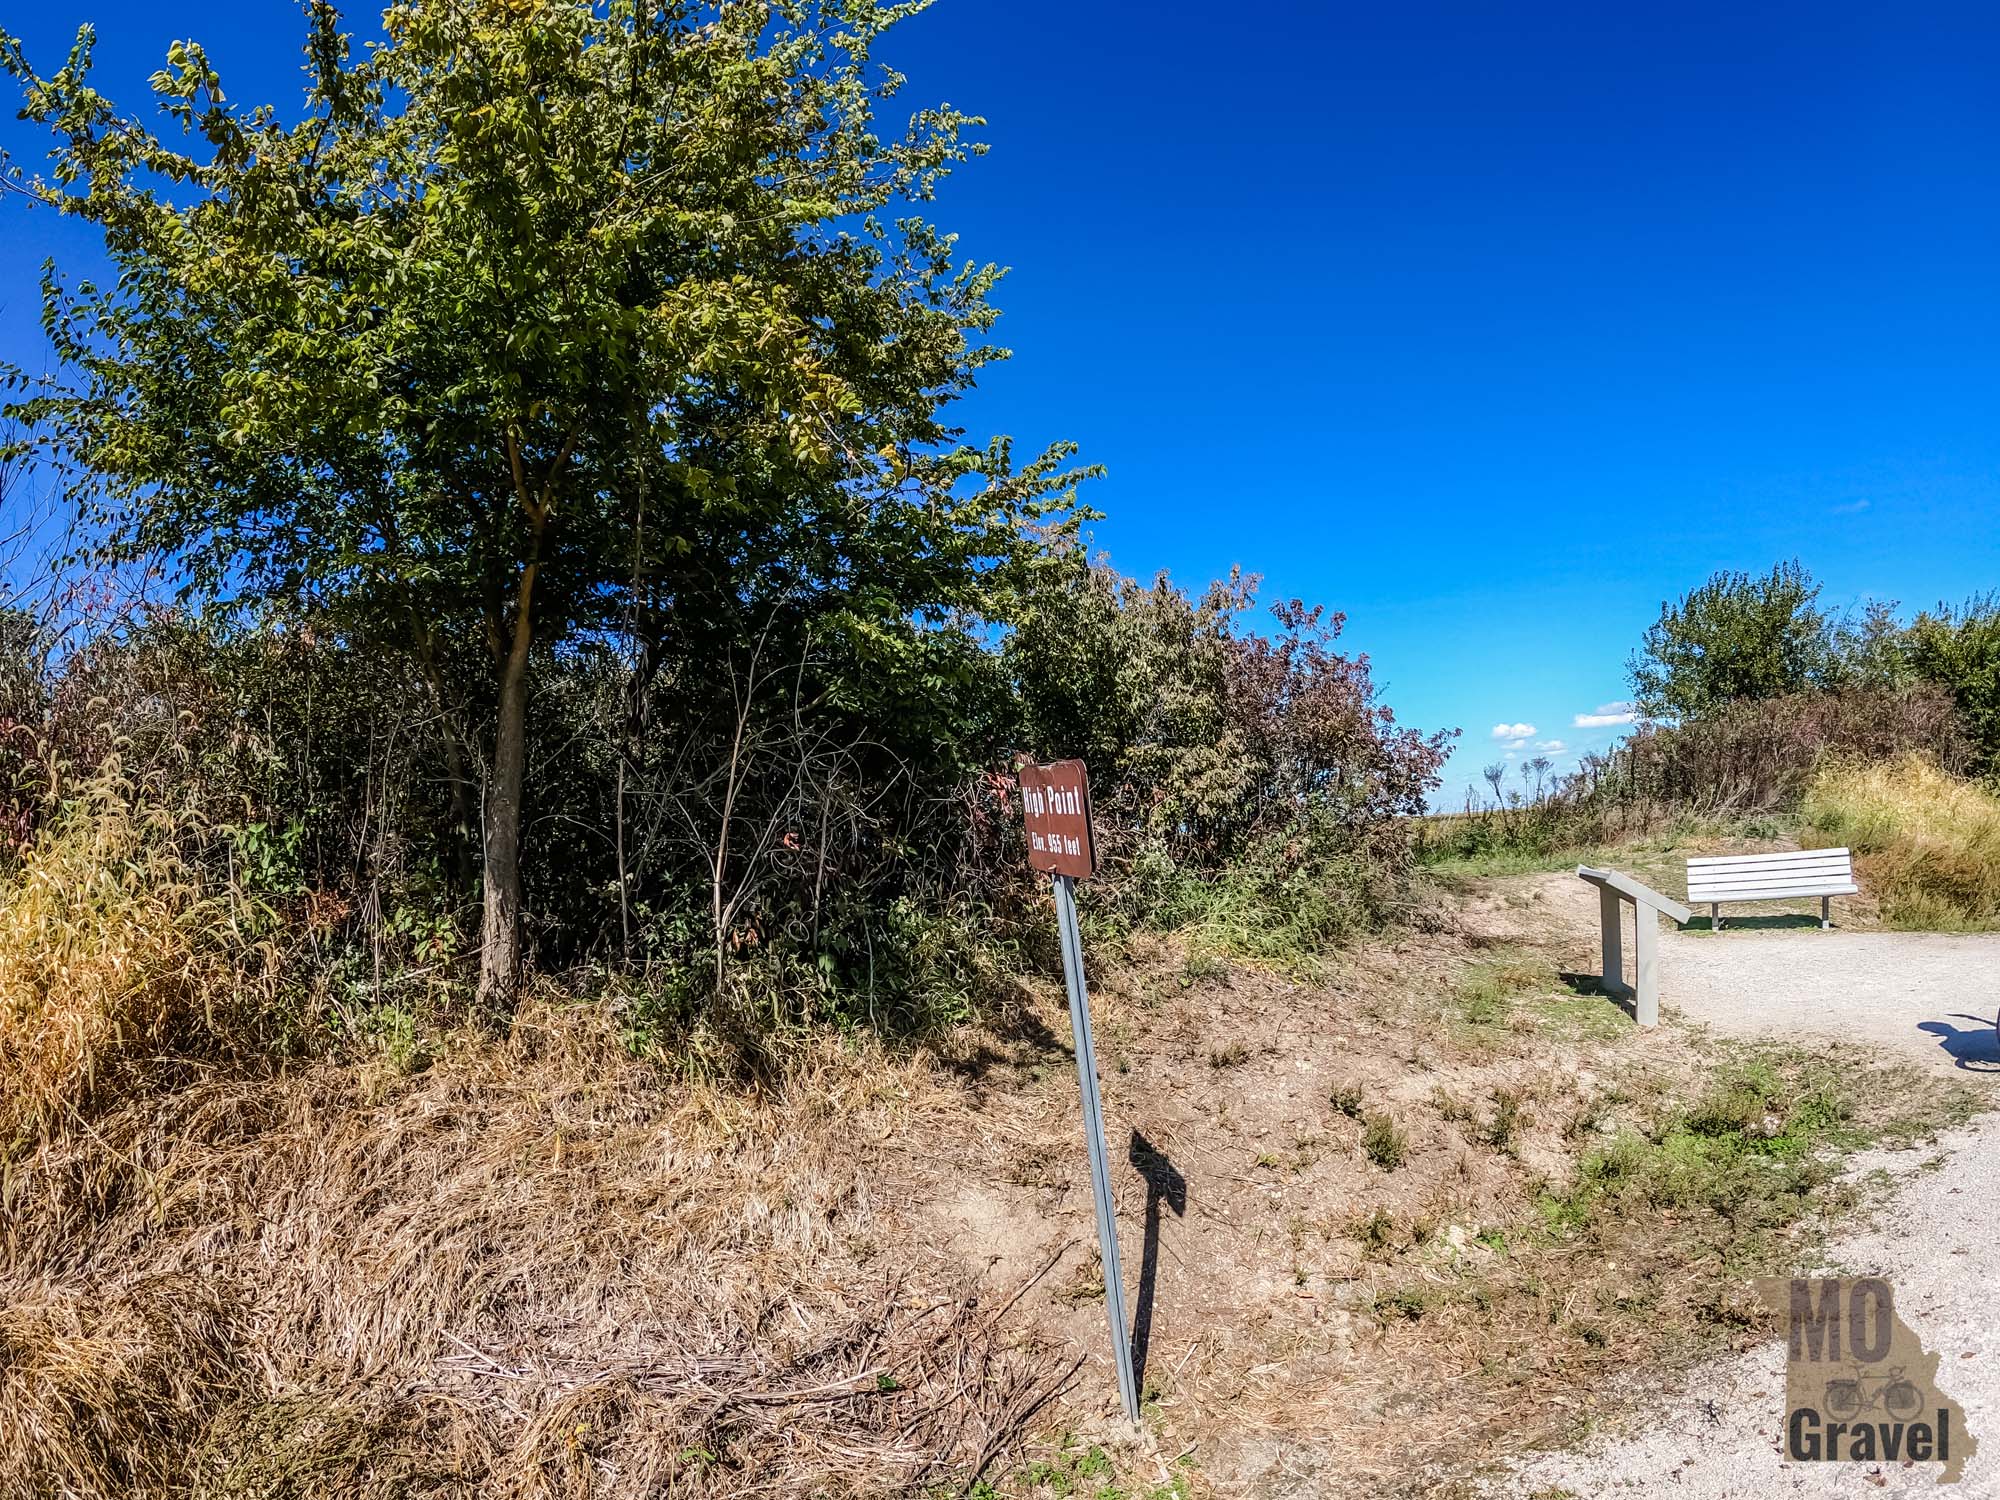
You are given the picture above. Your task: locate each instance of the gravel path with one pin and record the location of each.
(1929, 998)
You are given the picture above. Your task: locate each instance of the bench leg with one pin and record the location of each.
(1715, 916)
(1825, 912)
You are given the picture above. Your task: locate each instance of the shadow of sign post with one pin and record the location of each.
(1164, 1184)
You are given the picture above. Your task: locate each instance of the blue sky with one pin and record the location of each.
(1491, 326)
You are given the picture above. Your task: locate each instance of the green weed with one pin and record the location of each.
(1083, 1471)
(1383, 1142)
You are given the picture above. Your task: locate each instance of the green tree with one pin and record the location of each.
(1739, 635)
(1074, 658)
(550, 321)
(1875, 649)
(1959, 648)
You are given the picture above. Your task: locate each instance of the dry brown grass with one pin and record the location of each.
(539, 1270)
(114, 950)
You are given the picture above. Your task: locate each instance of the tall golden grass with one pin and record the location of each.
(115, 950)
(1926, 843)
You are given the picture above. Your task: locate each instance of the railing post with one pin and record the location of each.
(1646, 963)
(1648, 906)
(1608, 902)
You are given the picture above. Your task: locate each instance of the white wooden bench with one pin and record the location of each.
(1824, 873)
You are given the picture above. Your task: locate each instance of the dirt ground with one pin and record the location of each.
(1239, 1179)
(1262, 1337)
(543, 1268)
(1264, 1248)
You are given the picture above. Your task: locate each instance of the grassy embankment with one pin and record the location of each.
(1435, 1199)
(1926, 844)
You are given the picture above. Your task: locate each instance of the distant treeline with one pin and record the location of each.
(1745, 688)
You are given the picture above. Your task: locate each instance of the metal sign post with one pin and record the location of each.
(1055, 801)
(1093, 1131)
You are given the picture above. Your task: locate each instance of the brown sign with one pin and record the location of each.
(1055, 799)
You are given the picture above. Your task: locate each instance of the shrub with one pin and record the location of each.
(1217, 747)
(1927, 843)
(1737, 637)
(1282, 905)
(1754, 756)
(1959, 649)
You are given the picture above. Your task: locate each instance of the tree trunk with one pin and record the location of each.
(500, 923)
(500, 918)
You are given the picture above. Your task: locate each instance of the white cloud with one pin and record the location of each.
(1513, 731)
(1852, 508)
(1607, 715)
(1552, 747)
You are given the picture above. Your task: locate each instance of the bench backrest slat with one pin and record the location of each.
(1766, 861)
(1765, 877)
(1807, 884)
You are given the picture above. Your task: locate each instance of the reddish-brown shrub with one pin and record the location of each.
(1755, 756)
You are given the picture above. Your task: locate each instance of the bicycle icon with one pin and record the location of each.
(1850, 1396)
